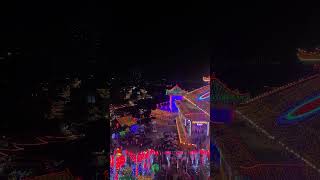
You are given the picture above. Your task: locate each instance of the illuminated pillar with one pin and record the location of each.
(190, 124)
(170, 106)
(168, 154)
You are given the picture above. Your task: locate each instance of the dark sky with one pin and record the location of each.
(256, 43)
(179, 39)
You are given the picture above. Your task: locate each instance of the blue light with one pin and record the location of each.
(214, 154)
(134, 128)
(173, 99)
(204, 96)
(288, 118)
(222, 115)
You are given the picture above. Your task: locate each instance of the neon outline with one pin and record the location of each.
(204, 96)
(288, 116)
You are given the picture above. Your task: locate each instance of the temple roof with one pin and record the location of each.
(127, 120)
(248, 151)
(175, 90)
(191, 112)
(299, 138)
(200, 98)
(220, 93)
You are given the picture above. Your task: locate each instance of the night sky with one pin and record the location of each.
(171, 39)
(257, 42)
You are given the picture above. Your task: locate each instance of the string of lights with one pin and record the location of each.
(281, 88)
(290, 150)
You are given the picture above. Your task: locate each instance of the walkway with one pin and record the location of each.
(183, 136)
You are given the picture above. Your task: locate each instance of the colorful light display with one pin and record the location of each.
(155, 168)
(122, 133)
(204, 96)
(203, 103)
(134, 128)
(176, 90)
(143, 160)
(285, 146)
(221, 94)
(173, 99)
(127, 120)
(303, 110)
(168, 155)
(206, 79)
(175, 93)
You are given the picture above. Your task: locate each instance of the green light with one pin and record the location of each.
(290, 115)
(155, 168)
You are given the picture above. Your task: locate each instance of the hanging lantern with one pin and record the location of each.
(118, 152)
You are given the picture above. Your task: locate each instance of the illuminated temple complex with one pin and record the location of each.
(272, 136)
(192, 113)
(193, 120)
